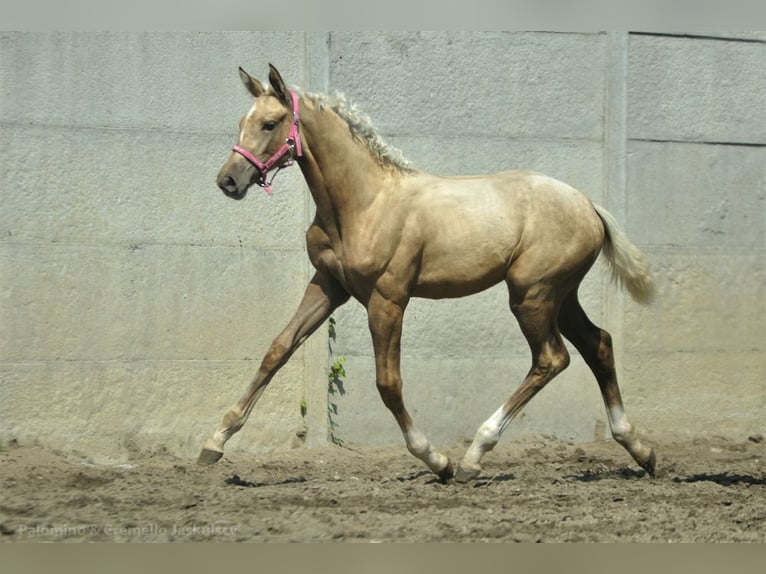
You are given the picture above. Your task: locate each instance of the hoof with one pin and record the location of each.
(466, 474)
(650, 464)
(447, 473)
(208, 456)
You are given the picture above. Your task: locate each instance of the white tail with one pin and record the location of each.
(629, 266)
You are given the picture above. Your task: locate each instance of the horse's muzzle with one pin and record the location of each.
(231, 188)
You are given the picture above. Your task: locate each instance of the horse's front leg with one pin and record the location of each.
(323, 295)
(385, 321)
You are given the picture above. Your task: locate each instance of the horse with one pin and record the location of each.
(385, 232)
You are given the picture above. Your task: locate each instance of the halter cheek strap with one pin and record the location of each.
(291, 146)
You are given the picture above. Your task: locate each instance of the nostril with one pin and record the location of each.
(227, 183)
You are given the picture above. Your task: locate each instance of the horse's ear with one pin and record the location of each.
(253, 86)
(280, 90)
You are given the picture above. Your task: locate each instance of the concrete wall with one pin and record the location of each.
(137, 301)
(696, 201)
(669, 134)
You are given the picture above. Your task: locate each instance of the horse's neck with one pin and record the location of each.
(341, 174)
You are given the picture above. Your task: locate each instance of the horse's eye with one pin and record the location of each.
(269, 126)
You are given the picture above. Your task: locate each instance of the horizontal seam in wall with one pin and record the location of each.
(700, 37)
(699, 142)
(749, 250)
(116, 129)
(124, 361)
(137, 246)
(637, 353)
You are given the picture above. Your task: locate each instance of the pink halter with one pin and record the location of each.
(292, 146)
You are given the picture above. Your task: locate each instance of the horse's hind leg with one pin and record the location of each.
(385, 320)
(595, 346)
(536, 309)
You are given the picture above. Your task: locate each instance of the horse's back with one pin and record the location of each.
(507, 204)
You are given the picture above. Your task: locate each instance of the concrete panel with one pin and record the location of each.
(695, 358)
(110, 410)
(84, 302)
(74, 185)
(124, 269)
(184, 81)
(706, 302)
(684, 395)
(474, 83)
(697, 90)
(709, 196)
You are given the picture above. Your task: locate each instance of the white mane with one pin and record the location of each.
(362, 128)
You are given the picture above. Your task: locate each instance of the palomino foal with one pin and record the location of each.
(384, 232)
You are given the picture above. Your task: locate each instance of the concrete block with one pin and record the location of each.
(706, 302)
(696, 90)
(474, 83)
(697, 394)
(73, 185)
(109, 411)
(694, 360)
(180, 81)
(87, 302)
(707, 196)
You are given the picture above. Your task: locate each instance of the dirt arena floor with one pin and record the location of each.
(531, 490)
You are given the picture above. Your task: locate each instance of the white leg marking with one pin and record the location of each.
(486, 438)
(233, 420)
(625, 434)
(418, 445)
(622, 430)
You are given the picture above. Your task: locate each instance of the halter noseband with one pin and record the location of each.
(291, 146)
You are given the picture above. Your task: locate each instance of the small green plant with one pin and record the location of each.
(335, 388)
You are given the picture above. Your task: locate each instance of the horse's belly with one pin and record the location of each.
(460, 272)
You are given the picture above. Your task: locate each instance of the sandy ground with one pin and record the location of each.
(532, 490)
